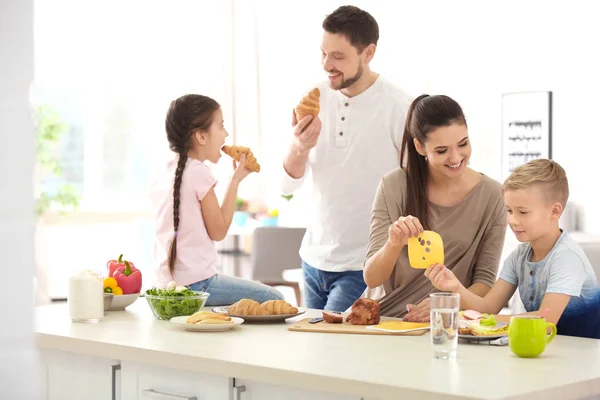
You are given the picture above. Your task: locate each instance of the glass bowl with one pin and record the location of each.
(167, 307)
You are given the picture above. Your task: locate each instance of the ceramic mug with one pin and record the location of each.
(527, 336)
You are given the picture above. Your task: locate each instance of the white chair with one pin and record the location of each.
(274, 250)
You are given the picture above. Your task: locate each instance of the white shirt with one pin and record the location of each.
(360, 142)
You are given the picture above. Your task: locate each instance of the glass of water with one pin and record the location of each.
(444, 324)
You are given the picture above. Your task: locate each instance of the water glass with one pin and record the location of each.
(444, 324)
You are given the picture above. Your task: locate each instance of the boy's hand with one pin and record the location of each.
(306, 132)
(403, 229)
(442, 278)
(240, 170)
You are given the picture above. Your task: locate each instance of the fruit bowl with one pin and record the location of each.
(175, 304)
(122, 301)
(108, 298)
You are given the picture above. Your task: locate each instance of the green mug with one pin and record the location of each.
(527, 335)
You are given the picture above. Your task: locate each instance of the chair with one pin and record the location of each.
(274, 250)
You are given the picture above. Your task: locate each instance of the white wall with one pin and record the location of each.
(470, 50)
(475, 51)
(17, 355)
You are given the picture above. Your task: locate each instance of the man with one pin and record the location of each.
(355, 140)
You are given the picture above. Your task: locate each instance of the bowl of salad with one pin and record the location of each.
(168, 303)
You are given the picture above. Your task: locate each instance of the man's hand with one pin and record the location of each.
(306, 132)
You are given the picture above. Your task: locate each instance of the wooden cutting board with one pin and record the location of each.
(324, 327)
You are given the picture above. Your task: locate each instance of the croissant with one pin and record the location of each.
(246, 307)
(278, 307)
(236, 151)
(309, 105)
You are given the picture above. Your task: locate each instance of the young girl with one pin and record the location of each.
(188, 218)
(436, 191)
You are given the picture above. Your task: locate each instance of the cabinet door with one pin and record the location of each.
(262, 391)
(146, 382)
(70, 376)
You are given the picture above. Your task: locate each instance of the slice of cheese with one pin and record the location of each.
(401, 325)
(425, 250)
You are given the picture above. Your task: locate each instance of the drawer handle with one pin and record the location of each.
(113, 377)
(236, 391)
(153, 394)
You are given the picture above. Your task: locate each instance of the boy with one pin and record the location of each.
(549, 268)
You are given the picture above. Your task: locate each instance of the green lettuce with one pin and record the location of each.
(177, 305)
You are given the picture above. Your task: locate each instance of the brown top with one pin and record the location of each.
(473, 232)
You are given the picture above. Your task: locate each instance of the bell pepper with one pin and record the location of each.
(130, 280)
(112, 265)
(111, 286)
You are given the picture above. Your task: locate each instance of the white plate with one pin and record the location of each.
(486, 338)
(260, 318)
(206, 327)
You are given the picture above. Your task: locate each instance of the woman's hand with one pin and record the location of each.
(402, 229)
(240, 170)
(419, 312)
(442, 278)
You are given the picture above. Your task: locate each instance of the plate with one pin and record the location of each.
(260, 318)
(206, 327)
(477, 339)
(487, 338)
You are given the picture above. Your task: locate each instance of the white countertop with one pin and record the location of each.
(374, 367)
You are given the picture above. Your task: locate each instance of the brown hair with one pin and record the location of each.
(541, 172)
(426, 113)
(357, 25)
(186, 115)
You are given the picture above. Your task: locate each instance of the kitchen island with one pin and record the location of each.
(131, 355)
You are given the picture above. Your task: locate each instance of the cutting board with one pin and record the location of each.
(325, 327)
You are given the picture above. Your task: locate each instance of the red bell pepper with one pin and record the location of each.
(130, 280)
(112, 265)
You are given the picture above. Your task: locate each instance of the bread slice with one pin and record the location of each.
(497, 330)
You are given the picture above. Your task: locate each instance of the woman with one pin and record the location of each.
(436, 191)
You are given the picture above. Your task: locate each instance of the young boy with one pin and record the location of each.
(549, 268)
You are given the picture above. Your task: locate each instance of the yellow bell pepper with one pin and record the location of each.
(111, 286)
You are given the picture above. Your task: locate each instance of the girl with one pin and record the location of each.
(436, 191)
(188, 218)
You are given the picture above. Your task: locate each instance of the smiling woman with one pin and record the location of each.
(436, 191)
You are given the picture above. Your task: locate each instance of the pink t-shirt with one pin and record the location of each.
(196, 252)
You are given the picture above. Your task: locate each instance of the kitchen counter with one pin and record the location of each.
(363, 366)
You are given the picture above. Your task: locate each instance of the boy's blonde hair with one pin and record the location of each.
(540, 172)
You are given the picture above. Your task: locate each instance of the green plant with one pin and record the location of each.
(288, 197)
(241, 204)
(49, 130)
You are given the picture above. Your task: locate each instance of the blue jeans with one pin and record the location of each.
(225, 290)
(333, 291)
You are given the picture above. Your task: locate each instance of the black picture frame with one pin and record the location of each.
(526, 128)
